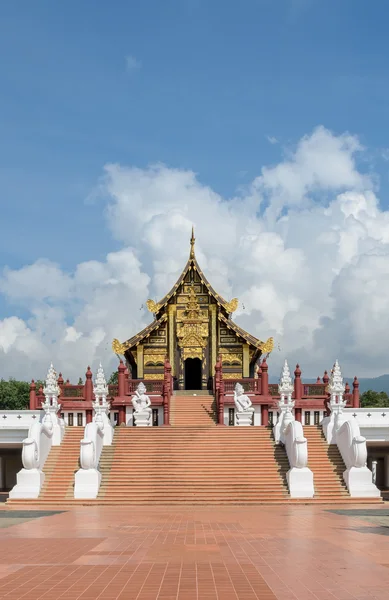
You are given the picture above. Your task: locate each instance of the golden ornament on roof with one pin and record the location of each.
(267, 347)
(232, 305)
(117, 347)
(153, 306)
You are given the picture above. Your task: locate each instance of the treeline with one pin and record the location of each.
(15, 395)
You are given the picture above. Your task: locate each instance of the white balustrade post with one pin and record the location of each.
(51, 407)
(36, 447)
(97, 434)
(289, 432)
(351, 444)
(102, 407)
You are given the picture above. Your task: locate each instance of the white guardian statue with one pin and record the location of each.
(142, 403)
(244, 407)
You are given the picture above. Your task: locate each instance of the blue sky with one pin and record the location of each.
(215, 78)
(222, 88)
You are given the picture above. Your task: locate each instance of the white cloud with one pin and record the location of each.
(305, 247)
(271, 139)
(132, 63)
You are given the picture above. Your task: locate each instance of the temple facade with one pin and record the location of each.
(186, 385)
(192, 326)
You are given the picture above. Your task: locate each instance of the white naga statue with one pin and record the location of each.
(141, 403)
(244, 407)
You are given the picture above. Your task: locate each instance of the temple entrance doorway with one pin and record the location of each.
(193, 375)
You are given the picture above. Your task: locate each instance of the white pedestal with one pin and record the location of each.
(359, 483)
(87, 483)
(300, 483)
(244, 419)
(143, 419)
(28, 484)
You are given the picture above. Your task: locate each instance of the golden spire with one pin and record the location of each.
(192, 244)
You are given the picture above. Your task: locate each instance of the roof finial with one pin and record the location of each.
(192, 244)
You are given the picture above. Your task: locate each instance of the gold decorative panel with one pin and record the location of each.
(192, 353)
(231, 358)
(155, 376)
(232, 375)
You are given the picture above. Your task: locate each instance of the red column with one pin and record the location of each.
(265, 415)
(298, 392)
(121, 379)
(356, 402)
(60, 382)
(264, 392)
(298, 387)
(40, 398)
(89, 416)
(264, 378)
(122, 415)
(33, 401)
(88, 387)
(126, 378)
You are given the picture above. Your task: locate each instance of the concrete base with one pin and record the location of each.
(300, 483)
(87, 483)
(244, 419)
(28, 484)
(359, 483)
(143, 419)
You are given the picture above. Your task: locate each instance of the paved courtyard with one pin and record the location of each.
(261, 552)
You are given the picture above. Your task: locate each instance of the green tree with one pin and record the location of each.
(372, 399)
(113, 380)
(14, 395)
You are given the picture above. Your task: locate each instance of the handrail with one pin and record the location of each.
(88, 478)
(299, 476)
(35, 450)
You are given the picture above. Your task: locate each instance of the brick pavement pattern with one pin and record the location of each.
(184, 553)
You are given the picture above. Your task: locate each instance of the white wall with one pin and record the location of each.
(66, 413)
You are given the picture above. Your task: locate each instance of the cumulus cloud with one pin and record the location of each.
(305, 247)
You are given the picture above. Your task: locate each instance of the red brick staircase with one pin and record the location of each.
(194, 465)
(193, 462)
(326, 463)
(59, 469)
(193, 410)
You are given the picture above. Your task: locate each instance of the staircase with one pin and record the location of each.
(326, 463)
(193, 410)
(194, 465)
(193, 462)
(59, 470)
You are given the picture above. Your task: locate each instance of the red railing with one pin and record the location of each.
(249, 385)
(152, 387)
(314, 389)
(72, 391)
(113, 390)
(273, 389)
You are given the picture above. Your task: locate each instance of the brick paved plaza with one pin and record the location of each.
(258, 552)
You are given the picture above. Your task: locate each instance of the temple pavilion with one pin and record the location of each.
(192, 327)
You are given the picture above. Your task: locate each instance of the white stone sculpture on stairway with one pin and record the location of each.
(97, 434)
(352, 446)
(244, 407)
(141, 403)
(36, 447)
(289, 432)
(102, 407)
(336, 389)
(285, 404)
